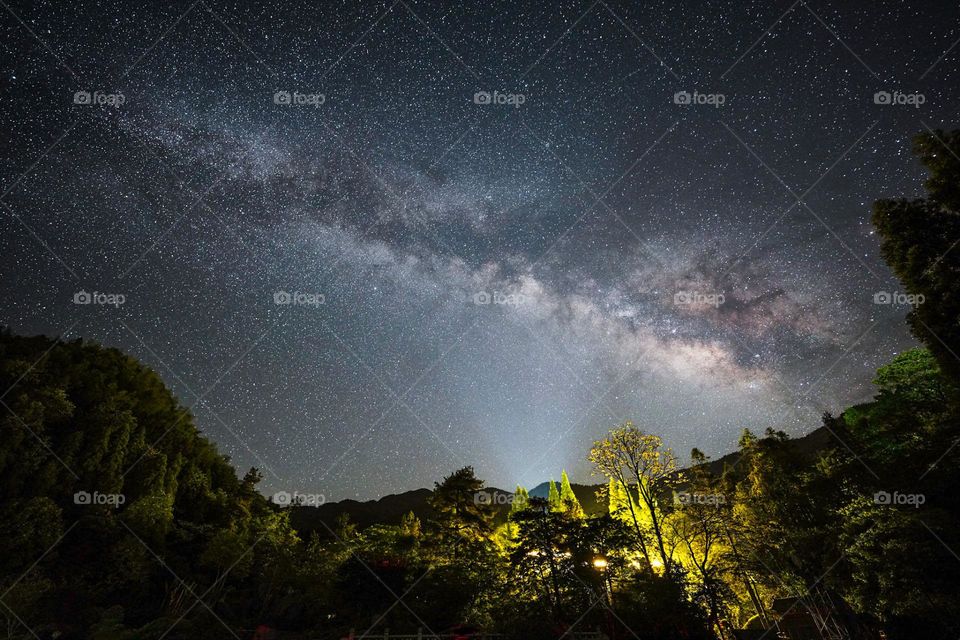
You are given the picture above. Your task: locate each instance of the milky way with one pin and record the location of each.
(368, 243)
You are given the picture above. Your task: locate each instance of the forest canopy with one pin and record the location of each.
(120, 520)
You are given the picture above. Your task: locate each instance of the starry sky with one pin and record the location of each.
(361, 273)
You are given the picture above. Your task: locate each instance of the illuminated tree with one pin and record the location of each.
(634, 459)
(520, 500)
(410, 527)
(697, 526)
(617, 501)
(553, 497)
(549, 559)
(568, 498)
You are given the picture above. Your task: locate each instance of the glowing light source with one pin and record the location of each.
(600, 563)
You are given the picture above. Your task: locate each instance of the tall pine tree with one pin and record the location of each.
(553, 497)
(568, 498)
(520, 499)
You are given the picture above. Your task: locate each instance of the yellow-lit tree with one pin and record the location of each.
(637, 461)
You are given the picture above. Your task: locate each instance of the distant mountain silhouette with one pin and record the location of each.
(387, 510)
(390, 508)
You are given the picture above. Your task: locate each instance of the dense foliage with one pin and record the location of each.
(118, 520)
(98, 455)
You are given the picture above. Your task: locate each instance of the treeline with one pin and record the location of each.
(118, 520)
(114, 511)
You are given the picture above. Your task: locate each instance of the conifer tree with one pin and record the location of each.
(520, 499)
(917, 239)
(553, 497)
(617, 501)
(568, 498)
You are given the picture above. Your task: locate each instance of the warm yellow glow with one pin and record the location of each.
(600, 563)
(656, 563)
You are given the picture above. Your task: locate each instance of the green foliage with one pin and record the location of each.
(913, 376)
(619, 502)
(88, 420)
(663, 560)
(543, 559)
(568, 498)
(410, 528)
(917, 238)
(461, 516)
(520, 499)
(673, 568)
(553, 497)
(637, 461)
(27, 529)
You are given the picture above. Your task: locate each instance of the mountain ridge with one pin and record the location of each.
(388, 509)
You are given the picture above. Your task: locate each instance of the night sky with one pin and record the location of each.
(698, 268)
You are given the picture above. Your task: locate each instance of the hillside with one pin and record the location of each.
(390, 508)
